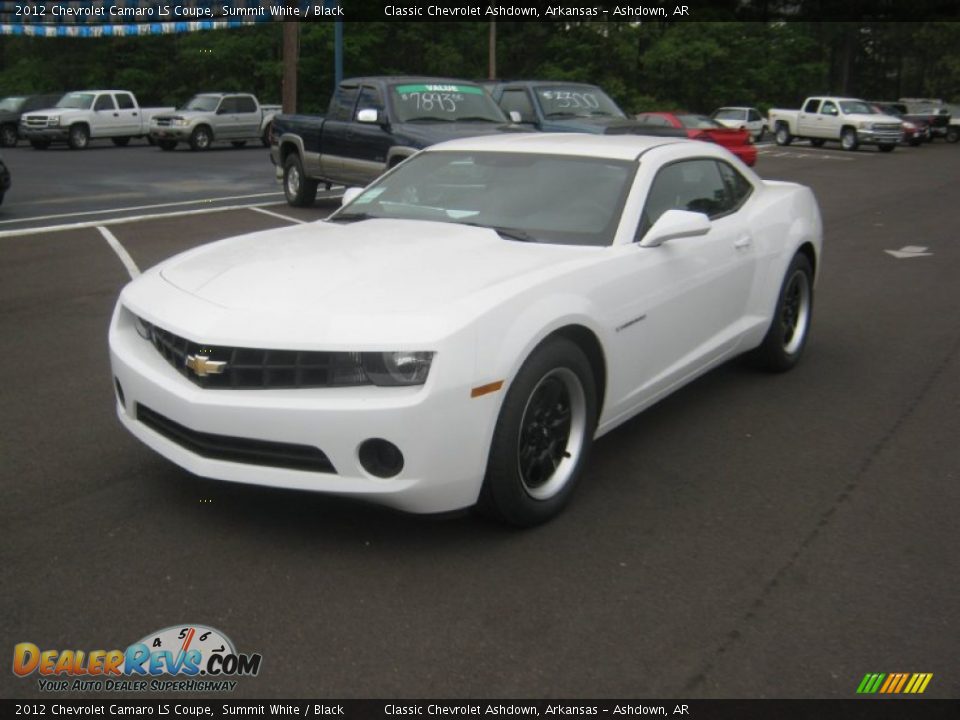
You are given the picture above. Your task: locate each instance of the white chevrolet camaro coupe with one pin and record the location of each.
(461, 330)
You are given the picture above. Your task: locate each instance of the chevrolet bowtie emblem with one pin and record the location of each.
(203, 365)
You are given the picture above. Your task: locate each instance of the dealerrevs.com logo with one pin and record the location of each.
(180, 658)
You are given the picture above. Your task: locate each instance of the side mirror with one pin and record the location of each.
(350, 193)
(368, 115)
(515, 116)
(676, 224)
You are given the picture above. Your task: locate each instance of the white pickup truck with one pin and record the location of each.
(88, 115)
(214, 117)
(847, 120)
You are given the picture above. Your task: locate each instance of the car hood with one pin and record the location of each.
(166, 114)
(423, 134)
(389, 274)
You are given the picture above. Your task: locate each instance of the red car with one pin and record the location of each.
(700, 127)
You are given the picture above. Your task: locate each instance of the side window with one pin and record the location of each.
(518, 100)
(125, 101)
(812, 105)
(656, 120)
(245, 104)
(738, 187)
(369, 99)
(753, 116)
(104, 102)
(228, 106)
(828, 108)
(341, 107)
(694, 185)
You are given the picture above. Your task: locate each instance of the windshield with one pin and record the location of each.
(78, 101)
(11, 103)
(561, 199)
(448, 102)
(576, 101)
(857, 107)
(697, 122)
(204, 103)
(728, 114)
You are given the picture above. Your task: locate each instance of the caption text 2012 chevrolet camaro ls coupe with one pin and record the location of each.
(461, 330)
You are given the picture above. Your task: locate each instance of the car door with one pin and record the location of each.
(754, 123)
(227, 123)
(128, 114)
(690, 294)
(105, 118)
(247, 117)
(829, 121)
(367, 143)
(333, 139)
(808, 118)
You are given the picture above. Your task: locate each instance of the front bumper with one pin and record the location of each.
(443, 433)
(879, 137)
(171, 133)
(47, 133)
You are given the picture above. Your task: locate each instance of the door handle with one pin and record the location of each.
(116, 114)
(742, 242)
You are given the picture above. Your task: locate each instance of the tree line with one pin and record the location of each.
(654, 65)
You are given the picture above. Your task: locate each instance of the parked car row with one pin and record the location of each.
(78, 117)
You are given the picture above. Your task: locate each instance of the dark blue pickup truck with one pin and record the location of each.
(372, 124)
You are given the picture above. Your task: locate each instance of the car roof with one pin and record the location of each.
(395, 79)
(614, 147)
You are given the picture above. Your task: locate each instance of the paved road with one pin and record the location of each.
(751, 536)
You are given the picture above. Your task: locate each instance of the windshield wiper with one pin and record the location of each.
(561, 114)
(505, 232)
(428, 118)
(351, 217)
(477, 118)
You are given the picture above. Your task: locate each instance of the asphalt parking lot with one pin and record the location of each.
(750, 536)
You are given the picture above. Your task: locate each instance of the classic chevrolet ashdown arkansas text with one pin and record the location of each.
(461, 330)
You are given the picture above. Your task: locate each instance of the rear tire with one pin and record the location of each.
(299, 190)
(953, 135)
(265, 138)
(787, 336)
(9, 136)
(79, 137)
(543, 436)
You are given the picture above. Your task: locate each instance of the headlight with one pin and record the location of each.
(397, 368)
(866, 126)
(53, 120)
(909, 126)
(178, 122)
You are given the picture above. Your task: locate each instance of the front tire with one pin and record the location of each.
(787, 337)
(543, 436)
(200, 139)
(265, 137)
(79, 137)
(9, 136)
(849, 139)
(299, 190)
(783, 136)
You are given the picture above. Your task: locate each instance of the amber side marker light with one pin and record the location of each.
(486, 389)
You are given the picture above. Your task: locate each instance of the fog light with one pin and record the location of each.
(120, 397)
(380, 457)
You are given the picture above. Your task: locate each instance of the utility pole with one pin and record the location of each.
(492, 51)
(291, 59)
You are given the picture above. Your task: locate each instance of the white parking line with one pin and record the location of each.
(120, 250)
(110, 211)
(278, 215)
(130, 219)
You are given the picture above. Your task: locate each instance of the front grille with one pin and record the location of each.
(36, 121)
(236, 449)
(162, 121)
(887, 127)
(252, 368)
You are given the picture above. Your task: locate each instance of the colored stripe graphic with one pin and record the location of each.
(894, 683)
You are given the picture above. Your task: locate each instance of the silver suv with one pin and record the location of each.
(214, 117)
